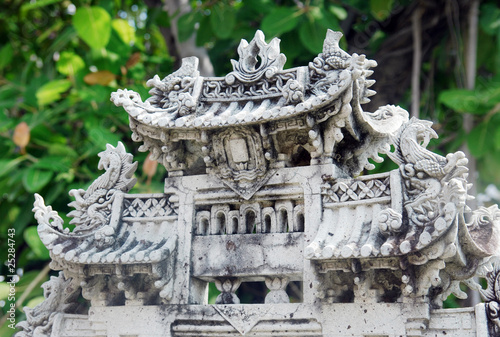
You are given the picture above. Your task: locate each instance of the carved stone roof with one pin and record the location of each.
(248, 94)
(116, 242)
(323, 100)
(112, 226)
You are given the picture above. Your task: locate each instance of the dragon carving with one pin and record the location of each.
(434, 186)
(491, 296)
(174, 92)
(93, 206)
(61, 296)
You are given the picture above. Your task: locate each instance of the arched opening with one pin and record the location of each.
(220, 223)
(267, 224)
(203, 227)
(233, 226)
(250, 221)
(283, 221)
(300, 157)
(300, 222)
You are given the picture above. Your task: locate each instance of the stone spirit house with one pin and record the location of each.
(265, 184)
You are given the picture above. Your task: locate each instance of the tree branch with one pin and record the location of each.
(416, 21)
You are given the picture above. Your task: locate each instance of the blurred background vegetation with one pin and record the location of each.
(60, 60)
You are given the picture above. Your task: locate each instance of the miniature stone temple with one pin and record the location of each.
(268, 181)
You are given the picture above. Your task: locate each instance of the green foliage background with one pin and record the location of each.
(60, 60)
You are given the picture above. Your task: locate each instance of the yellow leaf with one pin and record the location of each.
(102, 77)
(21, 136)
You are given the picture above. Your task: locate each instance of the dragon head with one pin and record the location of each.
(110, 155)
(419, 130)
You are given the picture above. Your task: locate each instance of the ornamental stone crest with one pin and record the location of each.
(268, 182)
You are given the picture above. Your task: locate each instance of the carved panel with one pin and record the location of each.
(240, 161)
(248, 218)
(148, 207)
(355, 190)
(264, 328)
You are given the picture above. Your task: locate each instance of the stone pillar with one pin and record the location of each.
(277, 286)
(227, 287)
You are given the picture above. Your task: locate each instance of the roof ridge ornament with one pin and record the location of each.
(92, 206)
(335, 56)
(271, 60)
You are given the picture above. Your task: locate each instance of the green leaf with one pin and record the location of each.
(489, 19)
(325, 18)
(7, 165)
(479, 140)
(62, 150)
(462, 100)
(338, 11)
(186, 24)
(159, 17)
(69, 63)
(280, 20)
(260, 6)
(290, 47)
(93, 25)
(6, 55)
(116, 46)
(24, 217)
(34, 179)
(7, 331)
(496, 139)
(223, 20)
(4, 290)
(51, 92)
(57, 190)
(31, 237)
(36, 4)
(479, 101)
(381, 9)
(104, 59)
(100, 136)
(96, 93)
(488, 168)
(9, 94)
(204, 34)
(312, 35)
(53, 163)
(124, 30)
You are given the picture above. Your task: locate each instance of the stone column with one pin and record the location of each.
(277, 286)
(227, 287)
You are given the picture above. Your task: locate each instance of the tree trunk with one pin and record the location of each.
(177, 49)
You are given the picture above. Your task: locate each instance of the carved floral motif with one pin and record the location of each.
(147, 207)
(340, 191)
(272, 61)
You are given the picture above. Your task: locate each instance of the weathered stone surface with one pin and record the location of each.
(264, 185)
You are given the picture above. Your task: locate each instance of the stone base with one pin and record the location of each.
(296, 319)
